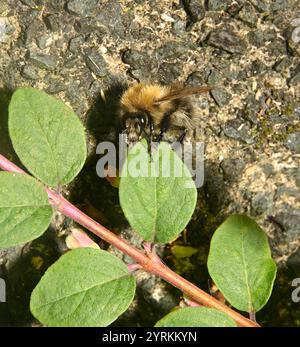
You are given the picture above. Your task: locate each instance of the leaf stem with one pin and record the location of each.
(149, 262)
(252, 316)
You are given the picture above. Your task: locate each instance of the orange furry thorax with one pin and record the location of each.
(141, 96)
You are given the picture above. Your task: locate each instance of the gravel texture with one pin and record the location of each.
(248, 49)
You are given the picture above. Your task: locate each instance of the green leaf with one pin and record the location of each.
(240, 263)
(85, 287)
(196, 317)
(25, 212)
(157, 203)
(47, 136)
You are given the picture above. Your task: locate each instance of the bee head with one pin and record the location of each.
(134, 124)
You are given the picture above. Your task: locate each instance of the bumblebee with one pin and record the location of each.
(149, 110)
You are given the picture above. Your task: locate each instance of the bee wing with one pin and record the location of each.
(182, 92)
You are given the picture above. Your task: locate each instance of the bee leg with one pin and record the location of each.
(150, 135)
(180, 140)
(149, 142)
(160, 135)
(182, 136)
(165, 124)
(151, 128)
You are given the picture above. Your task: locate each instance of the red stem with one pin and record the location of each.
(149, 262)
